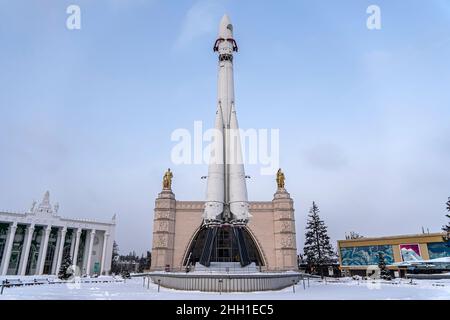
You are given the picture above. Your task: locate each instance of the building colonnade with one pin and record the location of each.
(32, 249)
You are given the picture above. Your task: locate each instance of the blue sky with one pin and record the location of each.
(364, 115)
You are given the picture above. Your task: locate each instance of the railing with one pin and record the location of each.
(10, 283)
(235, 269)
(216, 282)
(227, 268)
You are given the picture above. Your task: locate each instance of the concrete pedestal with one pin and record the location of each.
(272, 228)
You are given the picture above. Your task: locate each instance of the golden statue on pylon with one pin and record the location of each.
(280, 179)
(167, 180)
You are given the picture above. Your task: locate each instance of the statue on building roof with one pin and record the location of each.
(44, 206)
(167, 180)
(280, 179)
(33, 206)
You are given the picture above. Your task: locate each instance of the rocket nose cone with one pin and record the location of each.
(225, 28)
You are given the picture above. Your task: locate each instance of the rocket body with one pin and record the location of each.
(226, 196)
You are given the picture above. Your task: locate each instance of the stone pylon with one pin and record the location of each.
(164, 230)
(284, 230)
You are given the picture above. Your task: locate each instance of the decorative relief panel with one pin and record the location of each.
(163, 215)
(286, 226)
(260, 205)
(190, 205)
(164, 204)
(161, 240)
(288, 242)
(282, 206)
(163, 226)
(283, 215)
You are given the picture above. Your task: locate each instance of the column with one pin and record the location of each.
(26, 252)
(72, 243)
(89, 257)
(44, 250)
(105, 244)
(77, 245)
(9, 243)
(60, 249)
(55, 253)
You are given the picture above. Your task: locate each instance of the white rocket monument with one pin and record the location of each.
(226, 196)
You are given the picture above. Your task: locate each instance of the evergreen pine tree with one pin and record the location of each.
(447, 227)
(64, 272)
(142, 263)
(115, 258)
(318, 249)
(149, 259)
(384, 272)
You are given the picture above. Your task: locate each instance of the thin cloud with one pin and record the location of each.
(326, 156)
(201, 19)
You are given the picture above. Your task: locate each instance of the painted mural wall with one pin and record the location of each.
(439, 249)
(367, 255)
(410, 252)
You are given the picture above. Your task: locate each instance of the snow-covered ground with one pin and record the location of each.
(131, 289)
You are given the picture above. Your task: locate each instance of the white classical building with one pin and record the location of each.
(35, 242)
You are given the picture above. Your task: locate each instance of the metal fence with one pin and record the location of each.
(226, 282)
